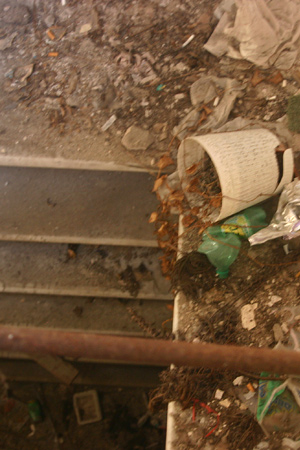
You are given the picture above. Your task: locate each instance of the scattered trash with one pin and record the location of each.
(210, 411)
(260, 32)
(33, 430)
(279, 405)
(220, 248)
(238, 381)
(160, 87)
(248, 316)
(109, 123)
(35, 411)
(221, 243)
(136, 138)
(53, 54)
(87, 408)
(245, 162)
(188, 41)
(286, 221)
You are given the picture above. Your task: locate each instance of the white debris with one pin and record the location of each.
(284, 83)
(219, 394)
(248, 316)
(274, 299)
(109, 122)
(226, 403)
(85, 28)
(188, 41)
(238, 381)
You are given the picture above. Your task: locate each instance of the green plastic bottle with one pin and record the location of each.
(222, 250)
(246, 222)
(223, 247)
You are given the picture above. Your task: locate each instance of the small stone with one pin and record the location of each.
(181, 67)
(274, 299)
(248, 317)
(85, 28)
(73, 101)
(159, 127)
(278, 333)
(226, 403)
(179, 96)
(219, 394)
(136, 138)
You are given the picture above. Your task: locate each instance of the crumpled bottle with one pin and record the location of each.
(220, 248)
(221, 243)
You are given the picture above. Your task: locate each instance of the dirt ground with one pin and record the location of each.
(75, 75)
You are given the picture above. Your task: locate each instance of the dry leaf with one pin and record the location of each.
(163, 229)
(188, 220)
(195, 210)
(276, 78)
(165, 161)
(153, 217)
(71, 254)
(193, 169)
(193, 186)
(207, 110)
(216, 202)
(158, 183)
(176, 195)
(257, 78)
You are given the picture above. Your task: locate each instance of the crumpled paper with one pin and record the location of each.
(286, 221)
(266, 33)
(232, 90)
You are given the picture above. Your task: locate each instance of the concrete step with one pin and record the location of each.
(108, 316)
(76, 206)
(109, 272)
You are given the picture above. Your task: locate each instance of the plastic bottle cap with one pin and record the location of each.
(222, 273)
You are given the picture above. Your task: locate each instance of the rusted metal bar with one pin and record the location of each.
(147, 351)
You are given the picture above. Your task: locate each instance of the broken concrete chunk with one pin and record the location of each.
(136, 138)
(248, 317)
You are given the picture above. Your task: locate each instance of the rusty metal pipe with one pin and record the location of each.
(147, 351)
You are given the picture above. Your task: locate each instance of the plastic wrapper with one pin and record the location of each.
(286, 221)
